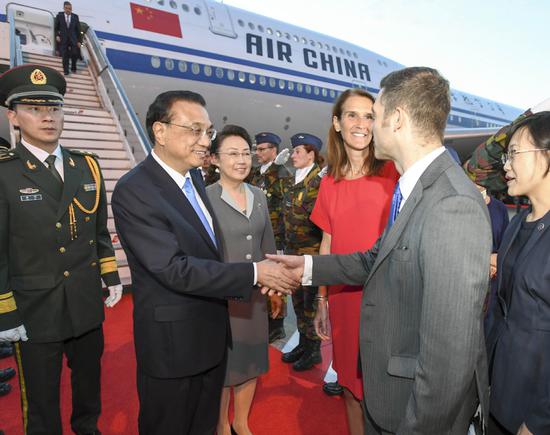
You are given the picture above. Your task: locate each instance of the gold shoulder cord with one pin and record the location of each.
(94, 169)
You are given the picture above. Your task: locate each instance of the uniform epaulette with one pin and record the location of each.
(7, 154)
(83, 153)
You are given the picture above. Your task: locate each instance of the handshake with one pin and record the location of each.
(280, 274)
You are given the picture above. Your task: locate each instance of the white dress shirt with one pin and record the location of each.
(407, 181)
(302, 173)
(42, 155)
(265, 167)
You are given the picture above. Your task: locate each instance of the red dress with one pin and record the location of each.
(354, 213)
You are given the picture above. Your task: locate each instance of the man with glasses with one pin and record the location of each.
(180, 284)
(269, 176)
(55, 249)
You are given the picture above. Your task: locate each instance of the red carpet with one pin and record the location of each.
(286, 402)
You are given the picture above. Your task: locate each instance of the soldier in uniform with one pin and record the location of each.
(54, 251)
(269, 177)
(303, 237)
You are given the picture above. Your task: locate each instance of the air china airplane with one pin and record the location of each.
(252, 70)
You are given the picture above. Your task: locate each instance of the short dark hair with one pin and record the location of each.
(160, 109)
(228, 131)
(538, 126)
(424, 93)
(67, 4)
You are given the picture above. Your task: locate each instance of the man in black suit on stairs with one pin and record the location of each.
(179, 282)
(68, 36)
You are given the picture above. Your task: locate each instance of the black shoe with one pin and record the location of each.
(4, 389)
(310, 356)
(333, 389)
(6, 374)
(73, 71)
(66, 73)
(6, 351)
(296, 353)
(276, 334)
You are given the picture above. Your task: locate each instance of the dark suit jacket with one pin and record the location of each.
(55, 277)
(69, 36)
(178, 281)
(421, 331)
(519, 340)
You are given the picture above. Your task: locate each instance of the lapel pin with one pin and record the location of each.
(71, 162)
(30, 165)
(540, 226)
(29, 191)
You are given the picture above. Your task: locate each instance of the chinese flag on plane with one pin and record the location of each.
(155, 20)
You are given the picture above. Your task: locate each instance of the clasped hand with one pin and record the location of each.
(280, 274)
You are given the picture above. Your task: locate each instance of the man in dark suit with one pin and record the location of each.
(68, 36)
(54, 251)
(421, 340)
(180, 286)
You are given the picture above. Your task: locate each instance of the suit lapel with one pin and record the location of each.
(535, 236)
(71, 183)
(37, 172)
(177, 199)
(509, 237)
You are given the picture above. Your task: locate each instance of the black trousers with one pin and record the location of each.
(188, 405)
(69, 53)
(40, 367)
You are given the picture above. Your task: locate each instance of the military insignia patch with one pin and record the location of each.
(29, 190)
(30, 165)
(26, 198)
(38, 77)
(90, 187)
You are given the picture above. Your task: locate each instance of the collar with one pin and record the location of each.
(408, 180)
(40, 154)
(302, 173)
(265, 167)
(178, 178)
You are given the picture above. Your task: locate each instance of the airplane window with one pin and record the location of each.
(195, 68)
(312, 42)
(252, 26)
(287, 35)
(230, 74)
(185, 7)
(155, 61)
(269, 31)
(219, 72)
(173, 4)
(282, 84)
(348, 53)
(207, 70)
(261, 28)
(334, 49)
(296, 39)
(242, 77)
(290, 86)
(263, 81)
(324, 92)
(341, 50)
(278, 33)
(316, 90)
(182, 66)
(197, 10)
(332, 93)
(241, 23)
(299, 87)
(160, 2)
(252, 78)
(169, 64)
(272, 82)
(304, 40)
(319, 44)
(355, 55)
(308, 89)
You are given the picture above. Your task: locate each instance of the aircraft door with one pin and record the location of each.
(220, 20)
(34, 26)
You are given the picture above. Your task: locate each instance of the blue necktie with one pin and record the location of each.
(190, 193)
(395, 204)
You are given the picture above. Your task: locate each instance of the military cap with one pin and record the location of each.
(267, 137)
(32, 84)
(306, 139)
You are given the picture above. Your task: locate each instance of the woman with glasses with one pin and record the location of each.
(247, 235)
(519, 339)
(352, 210)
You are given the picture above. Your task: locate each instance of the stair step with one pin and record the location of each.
(77, 91)
(93, 145)
(86, 112)
(101, 128)
(110, 154)
(114, 164)
(82, 98)
(68, 134)
(83, 104)
(113, 174)
(88, 120)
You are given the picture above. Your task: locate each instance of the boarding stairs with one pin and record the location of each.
(98, 115)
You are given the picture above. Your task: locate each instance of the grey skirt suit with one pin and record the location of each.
(247, 235)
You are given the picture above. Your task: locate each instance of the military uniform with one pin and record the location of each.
(302, 237)
(54, 250)
(212, 175)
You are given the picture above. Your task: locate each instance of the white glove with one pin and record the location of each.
(15, 334)
(542, 106)
(115, 294)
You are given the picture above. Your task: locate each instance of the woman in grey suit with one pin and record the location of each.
(247, 235)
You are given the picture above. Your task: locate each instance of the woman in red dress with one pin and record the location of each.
(352, 209)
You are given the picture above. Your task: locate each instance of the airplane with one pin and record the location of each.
(252, 70)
